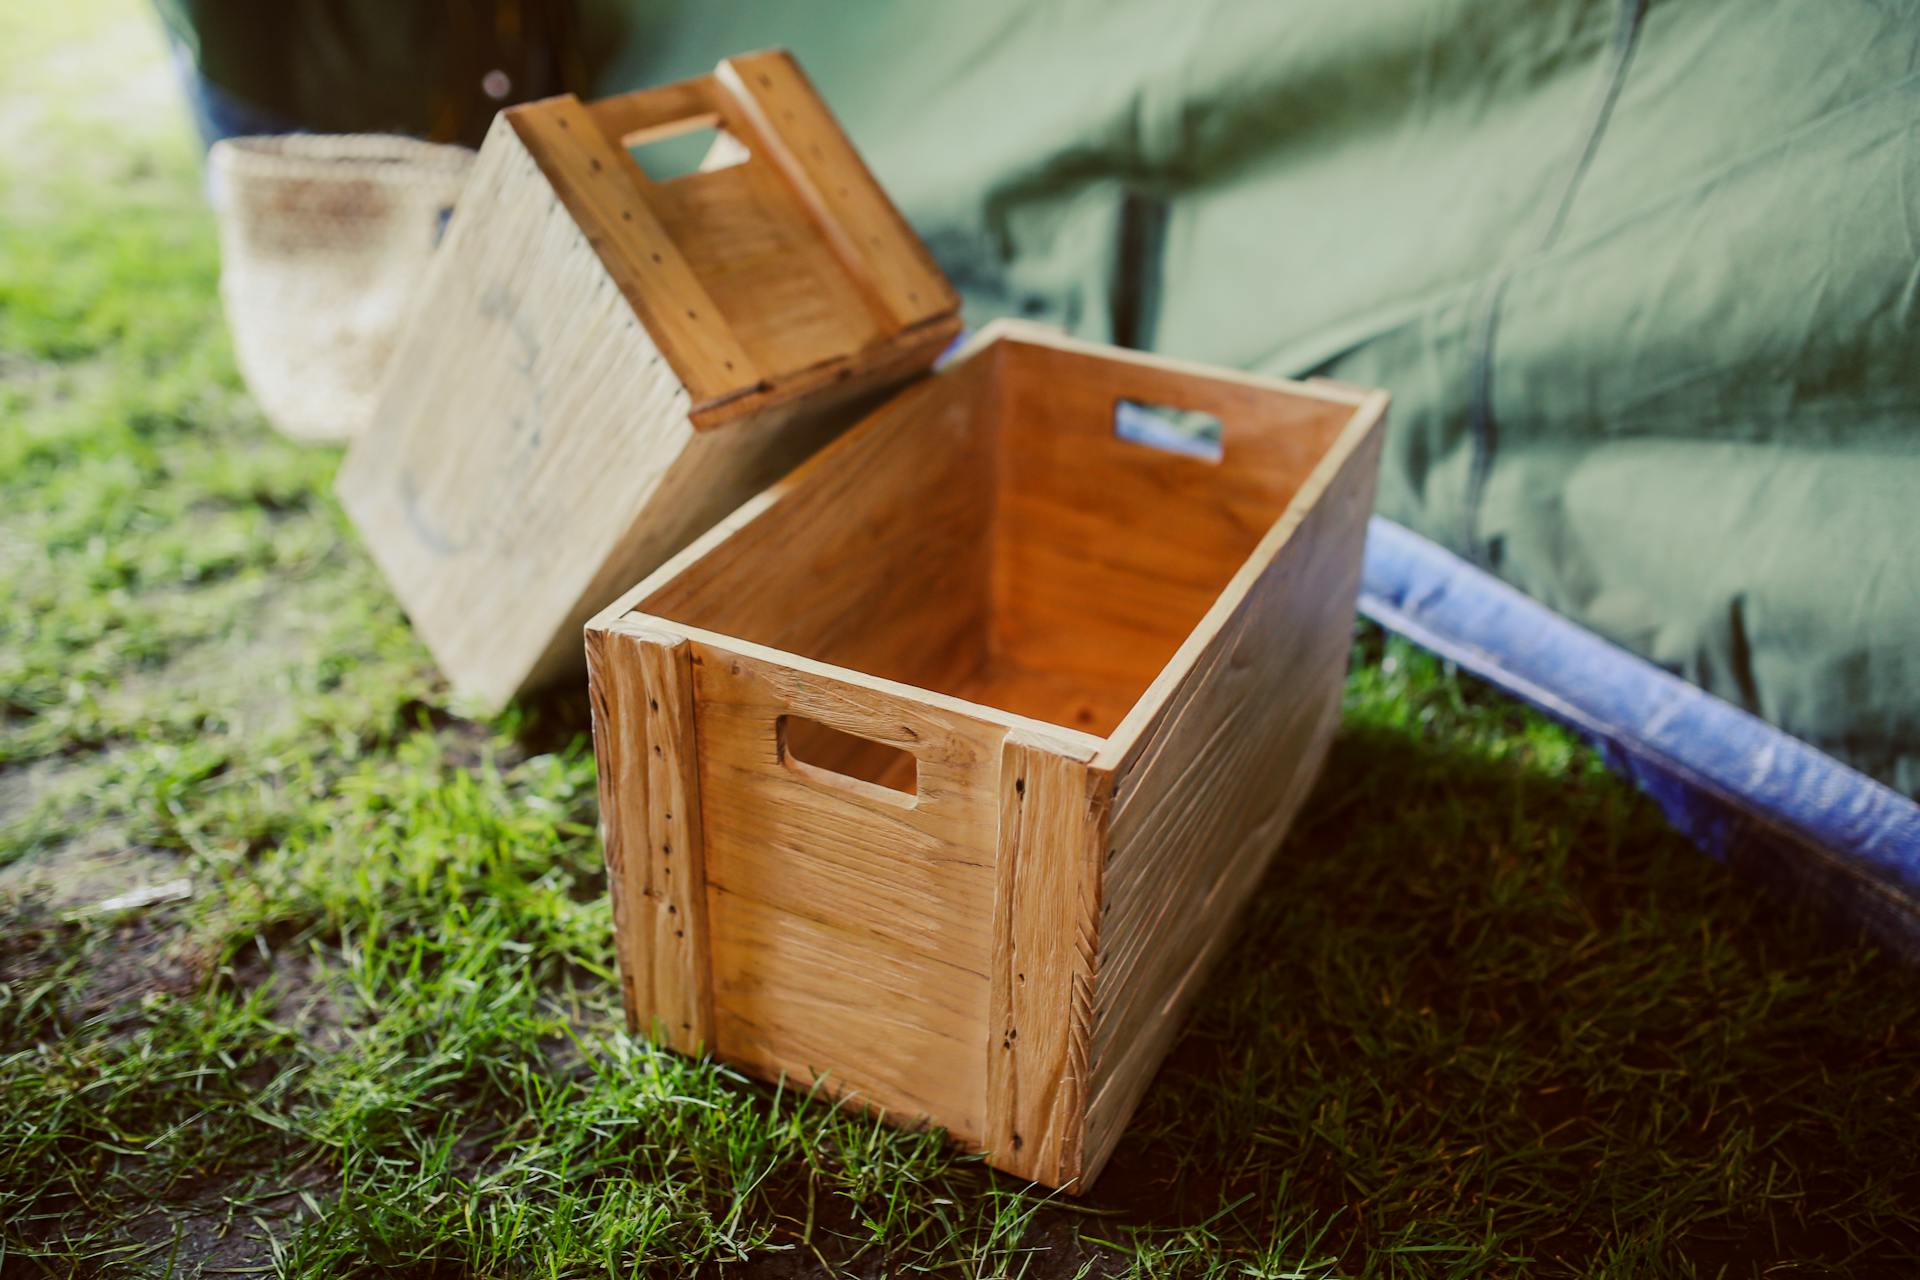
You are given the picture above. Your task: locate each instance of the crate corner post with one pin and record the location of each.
(641, 689)
(1051, 846)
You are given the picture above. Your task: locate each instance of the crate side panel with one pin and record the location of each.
(851, 924)
(526, 418)
(1109, 552)
(1204, 798)
(786, 297)
(710, 476)
(875, 559)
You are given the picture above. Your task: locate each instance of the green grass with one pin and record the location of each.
(1486, 1017)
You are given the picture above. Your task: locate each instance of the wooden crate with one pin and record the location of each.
(602, 364)
(939, 770)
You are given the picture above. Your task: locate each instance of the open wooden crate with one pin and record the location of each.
(603, 362)
(939, 770)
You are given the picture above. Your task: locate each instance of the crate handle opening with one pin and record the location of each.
(679, 148)
(1187, 432)
(835, 758)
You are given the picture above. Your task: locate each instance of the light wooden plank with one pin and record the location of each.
(487, 456)
(626, 119)
(1046, 926)
(646, 746)
(808, 1001)
(604, 190)
(786, 118)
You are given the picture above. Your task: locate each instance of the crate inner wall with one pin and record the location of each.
(998, 542)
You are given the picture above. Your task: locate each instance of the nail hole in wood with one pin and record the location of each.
(1019, 785)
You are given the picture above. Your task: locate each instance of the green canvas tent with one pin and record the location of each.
(1644, 278)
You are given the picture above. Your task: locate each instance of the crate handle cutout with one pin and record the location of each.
(864, 766)
(1187, 432)
(681, 148)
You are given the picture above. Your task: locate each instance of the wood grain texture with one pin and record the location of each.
(598, 367)
(1108, 551)
(1208, 778)
(612, 202)
(780, 111)
(1046, 926)
(1114, 671)
(827, 894)
(891, 540)
(645, 744)
(526, 419)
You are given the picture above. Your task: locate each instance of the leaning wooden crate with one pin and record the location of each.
(601, 364)
(938, 771)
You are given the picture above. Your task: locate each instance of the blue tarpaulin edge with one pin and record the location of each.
(1762, 801)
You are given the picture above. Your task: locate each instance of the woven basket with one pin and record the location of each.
(323, 241)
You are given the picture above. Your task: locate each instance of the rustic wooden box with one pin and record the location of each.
(601, 364)
(939, 770)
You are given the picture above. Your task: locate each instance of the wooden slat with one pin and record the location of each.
(766, 264)
(1046, 924)
(786, 118)
(647, 750)
(603, 189)
(628, 118)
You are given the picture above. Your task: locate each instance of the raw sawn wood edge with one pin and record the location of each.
(1053, 821)
(640, 687)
